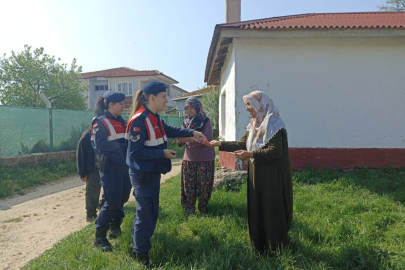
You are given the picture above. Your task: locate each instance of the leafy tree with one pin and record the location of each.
(393, 5)
(23, 75)
(210, 101)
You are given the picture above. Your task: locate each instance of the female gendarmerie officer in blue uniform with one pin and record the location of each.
(108, 136)
(148, 158)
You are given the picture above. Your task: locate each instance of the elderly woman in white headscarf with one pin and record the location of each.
(270, 195)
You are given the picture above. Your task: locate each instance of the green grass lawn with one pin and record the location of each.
(341, 221)
(15, 180)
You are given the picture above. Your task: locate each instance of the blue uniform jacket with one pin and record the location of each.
(150, 158)
(115, 149)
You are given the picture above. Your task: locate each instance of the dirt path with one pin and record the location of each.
(32, 223)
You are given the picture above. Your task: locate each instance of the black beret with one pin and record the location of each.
(114, 96)
(154, 88)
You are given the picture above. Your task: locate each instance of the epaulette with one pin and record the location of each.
(144, 115)
(97, 118)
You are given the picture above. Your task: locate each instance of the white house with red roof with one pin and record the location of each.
(338, 80)
(127, 81)
(181, 100)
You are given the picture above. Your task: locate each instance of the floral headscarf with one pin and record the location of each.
(267, 122)
(197, 121)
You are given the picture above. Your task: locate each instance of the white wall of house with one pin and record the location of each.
(136, 83)
(175, 91)
(228, 120)
(333, 92)
(93, 94)
(180, 104)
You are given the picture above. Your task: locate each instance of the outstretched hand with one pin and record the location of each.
(199, 136)
(243, 154)
(185, 140)
(212, 143)
(188, 139)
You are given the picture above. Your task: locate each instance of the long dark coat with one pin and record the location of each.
(270, 194)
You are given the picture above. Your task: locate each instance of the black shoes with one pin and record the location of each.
(115, 229)
(91, 217)
(142, 258)
(101, 241)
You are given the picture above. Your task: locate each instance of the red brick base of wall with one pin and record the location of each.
(229, 161)
(343, 158)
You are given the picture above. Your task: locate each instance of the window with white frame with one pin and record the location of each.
(125, 88)
(101, 87)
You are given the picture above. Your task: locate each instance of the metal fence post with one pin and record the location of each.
(50, 128)
(49, 106)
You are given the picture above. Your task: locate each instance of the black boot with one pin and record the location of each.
(90, 217)
(101, 241)
(142, 258)
(115, 229)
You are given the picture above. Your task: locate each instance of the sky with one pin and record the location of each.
(170, 36)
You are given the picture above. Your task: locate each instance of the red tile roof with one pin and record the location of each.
(363, 20)
(326, 20)
(123, 72)
(195, 93)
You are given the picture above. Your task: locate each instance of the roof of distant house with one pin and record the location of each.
(358, 20)
(197, 93)
(179, 88)
(124, 72)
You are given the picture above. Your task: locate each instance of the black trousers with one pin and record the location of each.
(92, 193)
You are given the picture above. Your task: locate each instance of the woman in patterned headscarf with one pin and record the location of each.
(270, 196)
(197, 172)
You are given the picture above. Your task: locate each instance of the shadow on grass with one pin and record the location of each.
(218, 209)
(206, 249)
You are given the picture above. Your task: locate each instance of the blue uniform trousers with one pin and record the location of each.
(117, 189)
(146, 192)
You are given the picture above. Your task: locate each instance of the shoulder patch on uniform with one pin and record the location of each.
(134, 138)
(136, 129)
(144, 114)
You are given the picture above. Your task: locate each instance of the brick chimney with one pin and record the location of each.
(232, 11)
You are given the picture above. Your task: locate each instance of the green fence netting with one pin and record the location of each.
(27, 130)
